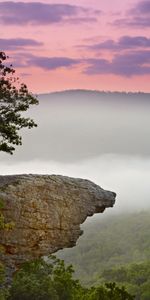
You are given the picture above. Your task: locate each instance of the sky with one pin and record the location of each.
(78, 44)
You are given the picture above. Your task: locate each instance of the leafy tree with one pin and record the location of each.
(135, 277)
(108, 243)
(14, 99)
(107, 292)
(52, 280)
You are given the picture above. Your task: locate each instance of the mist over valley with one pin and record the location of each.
(100, 136)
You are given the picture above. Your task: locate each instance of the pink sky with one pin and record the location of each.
(86, 44)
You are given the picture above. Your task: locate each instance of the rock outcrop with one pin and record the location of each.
(47, 212)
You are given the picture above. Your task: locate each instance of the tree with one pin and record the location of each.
(48, 280)
(109, 291)
(14, 99)
(52, 280)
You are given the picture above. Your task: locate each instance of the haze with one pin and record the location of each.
(101, 137)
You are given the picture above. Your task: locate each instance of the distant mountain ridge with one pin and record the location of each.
(95, 92)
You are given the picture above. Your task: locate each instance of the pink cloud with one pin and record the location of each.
(123, 43)
(138, 16)
(132, 63)
(41, 38)
(38, 13)
(135, 63)
(17, 43)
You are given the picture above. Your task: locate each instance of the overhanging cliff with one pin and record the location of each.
(47, 212)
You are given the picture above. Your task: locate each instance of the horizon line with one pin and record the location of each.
(94, 91)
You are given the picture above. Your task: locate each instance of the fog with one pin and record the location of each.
(104, 141)
(128, 176)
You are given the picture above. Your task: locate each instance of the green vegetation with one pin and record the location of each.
(114, 248)
(111, 241)
(52, 280)
(112, 262)
(14, 98)
(135, 277)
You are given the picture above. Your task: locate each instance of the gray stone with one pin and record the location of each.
(47, 212)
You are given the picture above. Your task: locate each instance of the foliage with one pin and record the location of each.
(52, 280)
(107, 292)
(135, 277)
(111, 241)
(44, 280)
(14, 99)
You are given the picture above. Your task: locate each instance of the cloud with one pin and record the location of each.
(143, 7)
(138, 21)
(52, 63)
(17, 43)
(125, 42)
(127, 175)
(138, 16)
(38, 13)
(129, 64)
(25, 60)
(76, 21)
(25, 74)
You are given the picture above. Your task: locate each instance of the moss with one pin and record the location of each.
(3, 224)
(1, 204)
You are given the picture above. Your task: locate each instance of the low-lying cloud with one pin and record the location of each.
(77, 126)
(103, 139)
(128, 176)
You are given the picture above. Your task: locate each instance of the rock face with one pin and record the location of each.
(47, 212)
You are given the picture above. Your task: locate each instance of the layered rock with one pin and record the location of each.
(47, 212)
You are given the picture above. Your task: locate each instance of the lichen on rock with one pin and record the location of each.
(47, 211)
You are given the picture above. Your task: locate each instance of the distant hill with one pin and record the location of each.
(96, 92)
(110, 242)
(80, 94)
